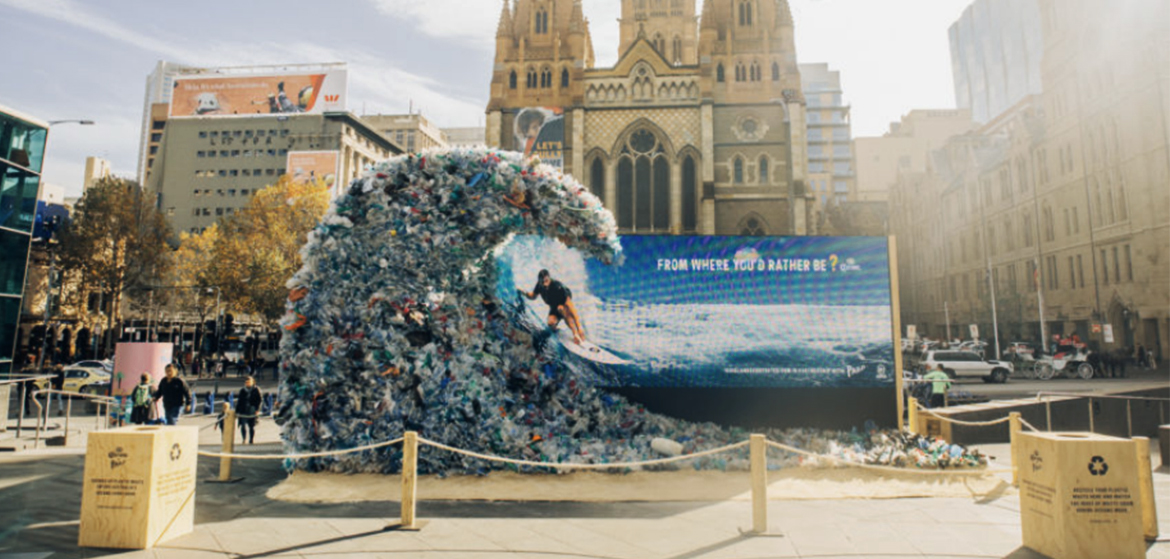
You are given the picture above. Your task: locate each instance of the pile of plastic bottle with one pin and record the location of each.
(393, 324)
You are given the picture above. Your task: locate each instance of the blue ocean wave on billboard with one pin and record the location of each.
(715, 311)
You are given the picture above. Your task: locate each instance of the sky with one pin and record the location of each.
(75, 59)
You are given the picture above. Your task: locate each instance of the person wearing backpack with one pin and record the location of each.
(142, 399)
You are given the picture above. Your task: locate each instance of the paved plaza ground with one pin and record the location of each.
(40, 492)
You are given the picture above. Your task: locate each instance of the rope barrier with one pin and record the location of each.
(570, 465)
(298, 456)
(1025, 423)
(961, 422)
(793, 449)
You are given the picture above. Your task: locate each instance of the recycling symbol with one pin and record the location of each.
(176, 452)
(1098, 467)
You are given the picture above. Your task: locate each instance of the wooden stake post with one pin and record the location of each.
(228, 447)
(409, 481)
(1146, 488)
(1014, 430)
(759, 464)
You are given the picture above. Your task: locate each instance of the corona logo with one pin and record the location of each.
(331, 98)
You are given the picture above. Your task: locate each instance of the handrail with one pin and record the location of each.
(1091, 395)
(42, 411)
(27, 378)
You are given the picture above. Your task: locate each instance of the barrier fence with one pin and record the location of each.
(410, 441)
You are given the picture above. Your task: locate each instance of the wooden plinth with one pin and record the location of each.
(139, 486)
(1079, 496)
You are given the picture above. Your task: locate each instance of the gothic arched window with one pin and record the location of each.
(737, 176)
(755, 72)
(541, 21)
(512, 80)
(719, 73)
(690, 195)
(676, 55)
(752, 227)
(546, 78)
(745, 13)
(597, 179)
(643, 184)
(763, 169)
(775, 71)
(564, 77)
(531, 81)
(740, 73)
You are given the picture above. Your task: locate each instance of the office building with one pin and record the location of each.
(996, 47)
(210, 167)
(22, 150)
(412, 131)
(830, 152)
(904, 149)
(472, 137)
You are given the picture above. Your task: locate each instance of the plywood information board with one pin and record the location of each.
(1079, 496)
(139, 486)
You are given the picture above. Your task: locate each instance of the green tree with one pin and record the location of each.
(258, 247)
(115, 242)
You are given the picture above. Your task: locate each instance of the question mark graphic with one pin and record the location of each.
(833, 261)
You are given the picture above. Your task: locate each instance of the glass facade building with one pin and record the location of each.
(996, 47)
(22, 151)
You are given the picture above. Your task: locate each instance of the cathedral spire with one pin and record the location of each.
(505, 26)
(707, 20)
(577, 19)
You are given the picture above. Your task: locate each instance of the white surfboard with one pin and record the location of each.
(588, 349)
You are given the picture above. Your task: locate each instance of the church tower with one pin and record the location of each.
(751, 79)
(669, 25)
(543, 48)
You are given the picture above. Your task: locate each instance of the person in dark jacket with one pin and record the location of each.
(248, 408)
(174, 394)
(58, 383)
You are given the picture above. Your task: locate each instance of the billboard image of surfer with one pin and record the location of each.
(540, 132)
(767, 312)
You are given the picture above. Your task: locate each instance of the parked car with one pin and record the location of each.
(959, 364)
(106, 367)
(80, 380)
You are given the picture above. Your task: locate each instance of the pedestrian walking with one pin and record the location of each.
(248, 402)
(941, 382)
(142, 398)
(58, 384)
(175, 395)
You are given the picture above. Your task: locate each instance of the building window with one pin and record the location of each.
(740, 73)
(763, 170)
(1116, 267)
(564, 77)
(755, 70)
(158, 125)
(1072, 274)
(752, 227)
(597, 179)
(202, 133)
(1104, 267)
(690, 194)
(530, 83)
(541, 22)
(546, 78)
(719, 73)
(676, 47)
(737, 176)
(745, 13)
(1081, 270)
(775, 71)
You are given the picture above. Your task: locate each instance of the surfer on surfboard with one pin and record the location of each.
(560, 304)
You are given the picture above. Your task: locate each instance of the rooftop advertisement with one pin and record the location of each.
(302, 93)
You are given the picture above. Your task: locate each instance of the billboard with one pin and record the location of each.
(540, 131)
(307, 166)
(712, 312)
(209, 96)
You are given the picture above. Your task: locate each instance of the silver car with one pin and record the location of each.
(959, 364)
